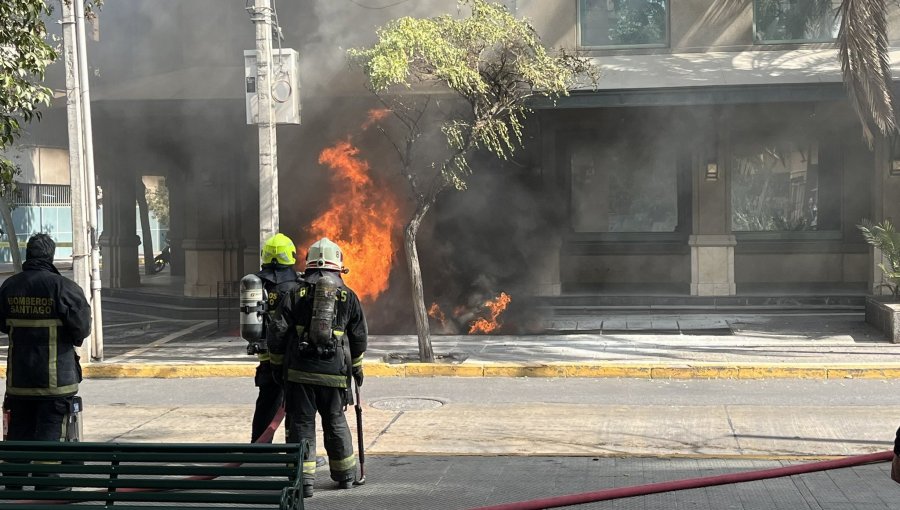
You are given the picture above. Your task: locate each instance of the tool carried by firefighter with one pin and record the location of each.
(357, 405)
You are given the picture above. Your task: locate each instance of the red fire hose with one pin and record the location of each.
(690, 483)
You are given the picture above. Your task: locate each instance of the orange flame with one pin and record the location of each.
(362, 217)
(375, 115)
(495, 307)
(437, 314)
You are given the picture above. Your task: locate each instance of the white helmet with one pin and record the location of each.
(325, 254)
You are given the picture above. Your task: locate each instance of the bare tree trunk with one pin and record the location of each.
(426, 353)
(146, 232)
(6, 215)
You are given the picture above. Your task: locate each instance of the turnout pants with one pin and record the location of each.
(37, 420)
(303, 401)
(267, 403)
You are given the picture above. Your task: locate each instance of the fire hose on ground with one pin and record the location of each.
(691, 483)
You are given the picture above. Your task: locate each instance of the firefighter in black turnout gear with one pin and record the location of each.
(320, 339)
(46, 317)
(277, 259)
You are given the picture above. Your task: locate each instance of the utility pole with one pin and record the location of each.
(85, 247)
(80, 238)
(261, 14)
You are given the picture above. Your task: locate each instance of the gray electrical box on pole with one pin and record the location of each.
(285, 86)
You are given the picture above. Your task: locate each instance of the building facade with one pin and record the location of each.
(717, 155)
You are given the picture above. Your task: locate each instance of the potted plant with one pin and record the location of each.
(881, 313)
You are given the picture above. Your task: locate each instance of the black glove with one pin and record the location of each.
(358, 375)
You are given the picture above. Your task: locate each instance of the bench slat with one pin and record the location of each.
(147, 496)
(147, 483)
(144, 457)
(150, 447)
(137, 470)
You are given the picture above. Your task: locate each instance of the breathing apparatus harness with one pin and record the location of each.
(319, 339)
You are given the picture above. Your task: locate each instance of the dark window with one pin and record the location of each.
(778, 21)
(625, 178)
(623, 22)
(785, 185)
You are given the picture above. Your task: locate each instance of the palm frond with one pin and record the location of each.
(866, 66)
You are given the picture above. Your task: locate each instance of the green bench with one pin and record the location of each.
(131, 476)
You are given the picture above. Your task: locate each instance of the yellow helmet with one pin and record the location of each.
(279, 249)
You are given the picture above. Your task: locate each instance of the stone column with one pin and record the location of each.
(712, 265)
(211, 245)
(547, 281)
(119, 240)
(712, 243)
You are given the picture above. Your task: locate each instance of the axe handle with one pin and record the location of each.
(359, 433)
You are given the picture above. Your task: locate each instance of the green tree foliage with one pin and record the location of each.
(24, 55)
(158, 203)
(492, 63)
(884, 237)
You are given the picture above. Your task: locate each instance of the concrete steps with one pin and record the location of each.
(619, 305)
(165, 306)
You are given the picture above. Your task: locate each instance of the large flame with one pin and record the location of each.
(495, 307)
(362, 217)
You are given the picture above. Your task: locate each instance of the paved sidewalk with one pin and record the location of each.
(456, 483)
(755, 346)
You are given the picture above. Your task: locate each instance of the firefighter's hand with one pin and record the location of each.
(358, 375)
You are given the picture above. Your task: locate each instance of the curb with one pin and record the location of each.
(699, 370)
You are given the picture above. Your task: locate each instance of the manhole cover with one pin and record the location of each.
(406, 404)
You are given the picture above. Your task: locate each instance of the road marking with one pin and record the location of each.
(161, 341)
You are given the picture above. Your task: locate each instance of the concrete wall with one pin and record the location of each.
(633, 268)
(41, 165)
(781, 268)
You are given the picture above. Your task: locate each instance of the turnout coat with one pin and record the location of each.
(46, 316)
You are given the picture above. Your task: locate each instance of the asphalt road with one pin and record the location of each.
(519, 390)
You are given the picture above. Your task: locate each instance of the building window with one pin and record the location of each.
(42, 194)
(779, 21)
(605, 23)
(623, 181)
(785, 186)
